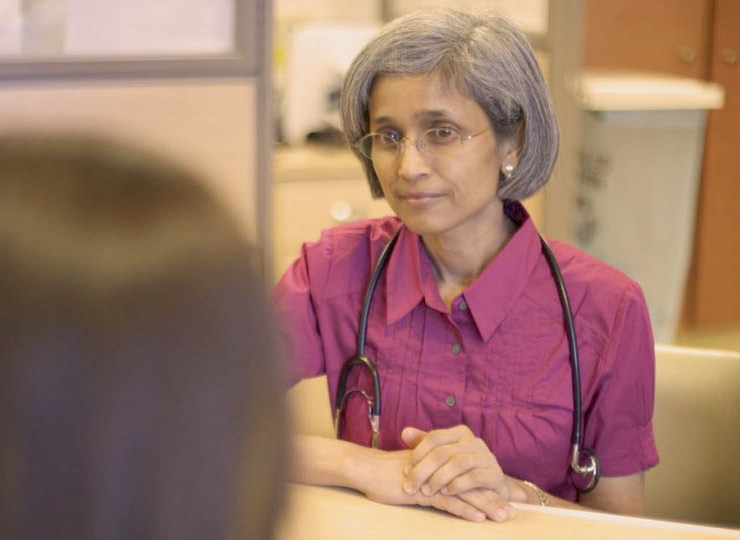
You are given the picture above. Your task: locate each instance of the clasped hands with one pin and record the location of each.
(451, 470)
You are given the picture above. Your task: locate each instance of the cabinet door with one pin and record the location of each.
(713, 296)
(654, 35)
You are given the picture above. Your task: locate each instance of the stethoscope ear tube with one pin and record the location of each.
(379, 266)
(577, 436)
(359, 358)
(342, 384)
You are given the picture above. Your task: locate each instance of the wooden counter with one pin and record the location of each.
(318, 513)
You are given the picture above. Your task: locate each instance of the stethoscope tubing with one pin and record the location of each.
(359, 357)
(591, 470)
(570, 329)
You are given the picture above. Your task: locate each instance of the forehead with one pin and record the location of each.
(419, 96)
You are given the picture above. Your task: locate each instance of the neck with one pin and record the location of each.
(458, 257)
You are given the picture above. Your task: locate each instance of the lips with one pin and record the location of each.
(419, 198)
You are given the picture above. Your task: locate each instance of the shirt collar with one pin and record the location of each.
(410, 278)
(405, 274)
(493, 294)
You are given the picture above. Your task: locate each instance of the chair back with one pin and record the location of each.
(697, 429)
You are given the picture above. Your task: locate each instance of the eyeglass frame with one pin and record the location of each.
(400, 143)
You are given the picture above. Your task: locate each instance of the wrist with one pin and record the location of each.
(354, 467)
(536, 495)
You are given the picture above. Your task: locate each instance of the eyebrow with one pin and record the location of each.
(425, 114)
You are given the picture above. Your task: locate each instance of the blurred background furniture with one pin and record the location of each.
(698, 39)
(697, 427)
(193, 83)
(308, 403)
(640, 165)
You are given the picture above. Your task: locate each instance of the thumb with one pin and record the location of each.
(412, 436)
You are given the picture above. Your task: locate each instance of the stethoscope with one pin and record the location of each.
(589, 473)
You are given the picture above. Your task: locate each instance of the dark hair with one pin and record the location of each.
(139, 396)
(487, 58)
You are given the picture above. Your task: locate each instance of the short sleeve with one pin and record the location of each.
(298, 333)
(618, 422)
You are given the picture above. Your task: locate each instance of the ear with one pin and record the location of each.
(509, 150)
(509, 160)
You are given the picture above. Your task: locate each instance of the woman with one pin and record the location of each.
(138, 395)
(450, 116)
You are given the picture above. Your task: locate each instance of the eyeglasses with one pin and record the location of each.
(441, 142)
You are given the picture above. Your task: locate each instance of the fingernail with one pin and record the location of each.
(408, 487)
(479, 516)
(445, 491)
(426, 490)
(501, 514)
(407, 470)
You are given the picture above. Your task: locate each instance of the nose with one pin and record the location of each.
(411, 162)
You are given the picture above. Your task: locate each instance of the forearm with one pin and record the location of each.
(376, 473)
(325, 462)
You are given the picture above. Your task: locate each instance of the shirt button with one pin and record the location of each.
(450, 401)
(456, 348)
(463, 305)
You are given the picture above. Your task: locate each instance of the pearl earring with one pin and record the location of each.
(508, 171)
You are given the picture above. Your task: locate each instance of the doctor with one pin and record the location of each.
(450, 116)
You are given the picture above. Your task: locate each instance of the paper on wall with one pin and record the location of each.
(10, 27)
(146, 27)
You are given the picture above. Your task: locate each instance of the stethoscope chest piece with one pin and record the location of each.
(585, 470)
(373, 401)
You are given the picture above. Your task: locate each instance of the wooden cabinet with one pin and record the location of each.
(713, 296)
(653, 35)
(699, 39)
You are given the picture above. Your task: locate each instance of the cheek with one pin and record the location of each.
(476, 175)
(384, 177)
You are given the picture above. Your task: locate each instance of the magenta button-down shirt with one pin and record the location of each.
(497, 360)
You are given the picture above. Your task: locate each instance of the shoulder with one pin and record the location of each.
(600, 295)
(350, 240)
(342, 257)
(585, 270)
(362, 232)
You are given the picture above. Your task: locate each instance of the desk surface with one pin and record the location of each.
(317, 513)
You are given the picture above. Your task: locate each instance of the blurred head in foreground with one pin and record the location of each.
(139, 398)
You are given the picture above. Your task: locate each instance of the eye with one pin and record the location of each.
(442, 135)
(386, 141)
(388, 135)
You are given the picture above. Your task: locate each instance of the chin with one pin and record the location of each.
(423, 227)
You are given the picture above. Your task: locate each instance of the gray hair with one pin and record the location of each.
(487, 58)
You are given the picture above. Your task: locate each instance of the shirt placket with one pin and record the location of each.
(449, 388)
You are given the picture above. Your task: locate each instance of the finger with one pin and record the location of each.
(453, 505)
(444, 463)
(492, 504)
(439, 437)
(458, 465)
(488, 476)
(412, 436)
(417, 475)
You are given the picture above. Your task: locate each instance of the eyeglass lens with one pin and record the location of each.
(437, 142)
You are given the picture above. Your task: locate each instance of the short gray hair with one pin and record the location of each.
(487, 58)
